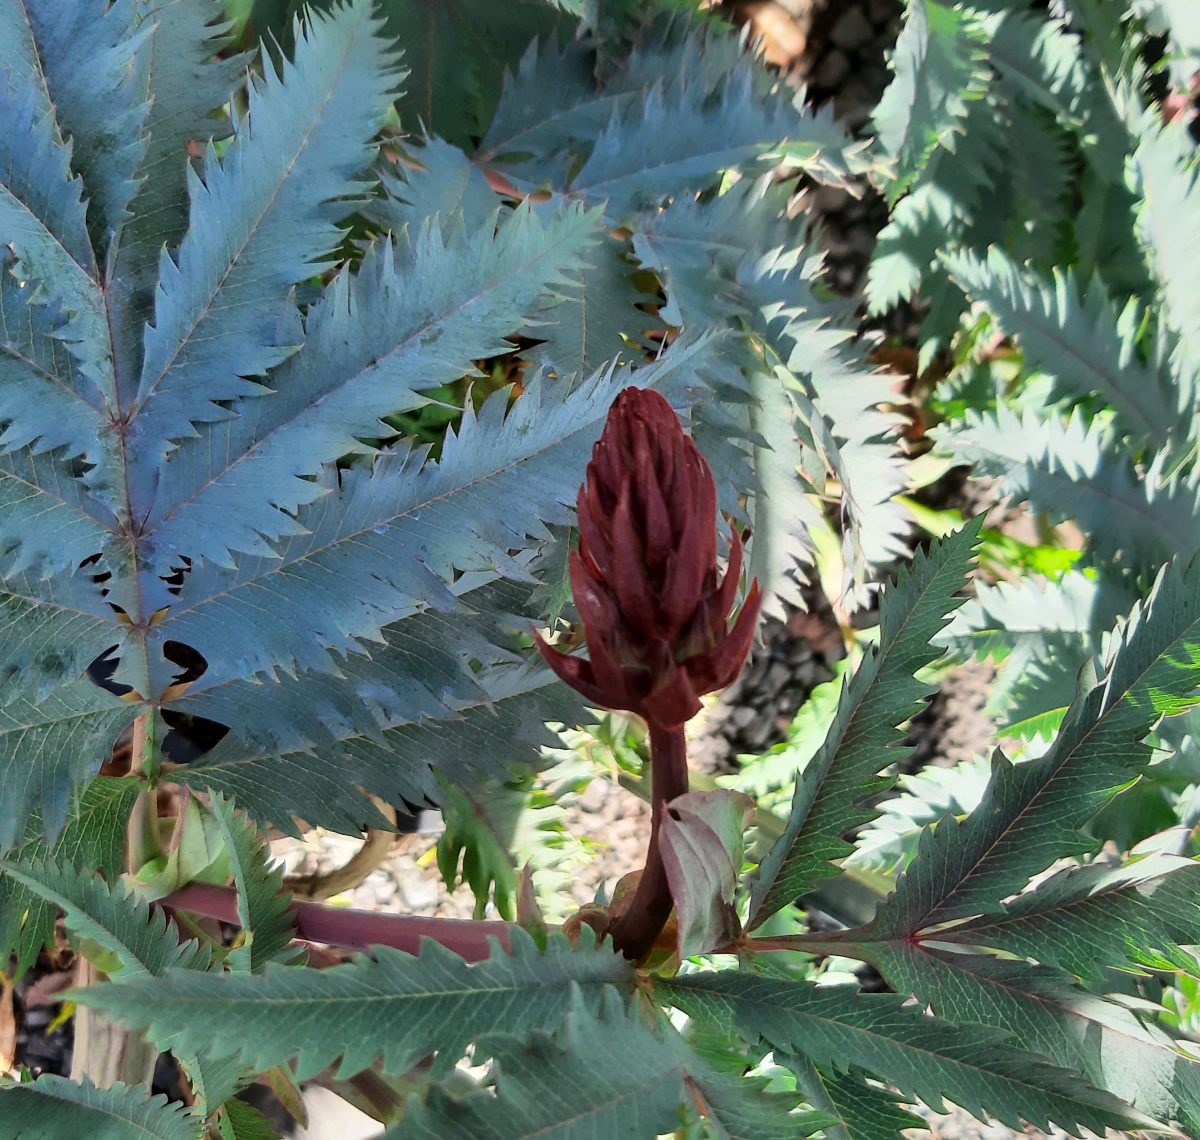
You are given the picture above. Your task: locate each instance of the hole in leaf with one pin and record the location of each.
(191, 663)
(189, 737)
(101, 670)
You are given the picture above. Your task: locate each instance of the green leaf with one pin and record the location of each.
(1071, 470)
(607, 1075)
(596, 318)
(262, 903)
(552, 109)
(1032, 812)
(410, 529)
(241, 1121)
(493, 830)
(1104, 1041)
(939, 65)
(1076, 335)
(434, 178)
(1040, 634)
(114, 917)
(263, 219)
(771, 777)
(738, 259)
(458, 51)
(184, 83)
(93, 836)
(702, 842)
(922, 1056)
(1165, 170)
(412, 318)
(889, 843)
(880, 696)
(1089, 918)
(390, 1006)
(689, 139)
(495, 731)
(1047, 65)
(956, 196)
(43, 216)
(82, 54)
(49, 746)
(51, 1108)
(860, 1111)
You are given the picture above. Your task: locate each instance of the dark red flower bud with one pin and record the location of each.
(645, 576)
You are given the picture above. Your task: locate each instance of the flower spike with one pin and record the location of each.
(645, 577)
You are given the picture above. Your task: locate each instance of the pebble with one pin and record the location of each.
(852, 30)
(833, 69)
(885, 12)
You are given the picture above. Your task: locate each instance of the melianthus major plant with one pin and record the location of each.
(235, 296)
(1045, 204)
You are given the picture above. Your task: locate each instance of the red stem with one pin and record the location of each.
(355, 929)
(635, 932)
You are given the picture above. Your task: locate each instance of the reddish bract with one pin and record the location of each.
(645, 578)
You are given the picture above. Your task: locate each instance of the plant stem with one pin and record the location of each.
(828, 944)
(104, 1053)
(356, 929)
(635, 931)
(141, 838)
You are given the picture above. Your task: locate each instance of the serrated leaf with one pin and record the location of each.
(53, 629)
(1039, 633)
(495, 828)
(407, 321)
(1032, 812)
(390, 1006)
(939, 64)
(552, 108)
(922, 1056)
(433, 178)
(262, 220)
(113, 916)
(387, 724)
(93, 836)
(860, 1111)
(1074, 334)
(882, 694)
(408, 528)
(595, 319)
(262, 904)
(458, 51)
(1104, 1041)
(702, 842)
(89, 62)
(951, 199)
(689, 139)
(1089, 918)
(241, 1121)
(50, 745)
(1068, 469)
(44, 403)
(738, 260)
(43, 216)
(608, 1075)
(889, 843)
(53, 1107)
(1164, 166)
(183, 84)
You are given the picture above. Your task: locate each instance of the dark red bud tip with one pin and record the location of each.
(645, 577)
